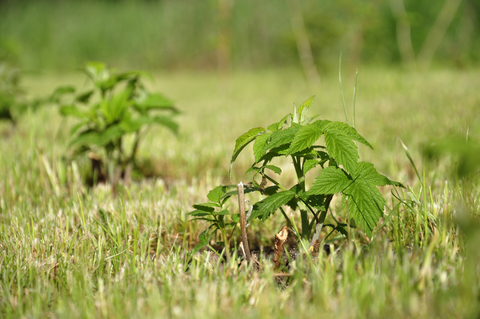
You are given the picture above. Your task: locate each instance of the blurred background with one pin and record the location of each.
(240, 34)
(239, 64)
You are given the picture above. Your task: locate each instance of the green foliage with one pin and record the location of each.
(296, 136)
(117, 105)
(159, 34)
(215, 213)
(12, 97)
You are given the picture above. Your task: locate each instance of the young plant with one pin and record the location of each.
(215, 212)
(117, 105)
(296, 136)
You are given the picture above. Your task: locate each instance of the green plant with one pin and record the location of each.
(122, 106)
(215, 212)
(295, 136)
(12, 100)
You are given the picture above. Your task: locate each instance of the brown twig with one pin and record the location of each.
(243, 220)
(280, 239)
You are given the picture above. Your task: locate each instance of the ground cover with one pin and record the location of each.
(73, 252)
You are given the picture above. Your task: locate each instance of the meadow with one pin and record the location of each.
(67, 251)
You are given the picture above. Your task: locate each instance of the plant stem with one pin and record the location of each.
(243, 220)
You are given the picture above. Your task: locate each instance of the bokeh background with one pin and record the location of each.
(239, 34)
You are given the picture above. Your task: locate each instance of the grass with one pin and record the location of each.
(70, 253)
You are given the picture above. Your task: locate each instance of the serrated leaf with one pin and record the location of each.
(366, 205)
(259, 145)
(269, 205)
(278, 126)
(309, 164)
(307, 135)
(331, 180)
(275, 169)
(243, 141)
(303, 111)
(216, 194)
(347, 130)
(342, 149)
(204, 237)
(368, 172)
(282, 137)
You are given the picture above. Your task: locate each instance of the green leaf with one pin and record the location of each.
(206, 207)
(309, 164)
(71, 110)
(342, 149)
(90, 137)
(166, 122)
(278, 126)
(113, 108)
(223, 212)
(235, 218)
(84, 97)
(269, 205)
(347, 130)
(59, 91)
(198, 213)
(76, 127)
(216, 194)
(243, 141)
(307, 135)
(96, 71)
(303, 111)
(282, 137)
(331, 180)
(365, 203)
(66, 89)
(259, 145)
(275, 169)
(155, 101)
(204, 239)
(368, 172)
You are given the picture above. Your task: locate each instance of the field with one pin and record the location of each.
(67, 251)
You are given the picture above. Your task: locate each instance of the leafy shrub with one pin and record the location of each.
(296, 136)
(117, 105)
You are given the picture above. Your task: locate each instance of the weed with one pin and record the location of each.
(295, 136)
(102, 127)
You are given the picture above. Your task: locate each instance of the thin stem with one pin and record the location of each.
(341, 87)
(243, 220)
(289, 222)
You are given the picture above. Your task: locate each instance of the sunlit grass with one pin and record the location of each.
(80, 253)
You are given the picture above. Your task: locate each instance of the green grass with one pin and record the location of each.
(70, 253)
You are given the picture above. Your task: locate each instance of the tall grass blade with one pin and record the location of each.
(354, 96)
(341, 87)
(407, 152)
